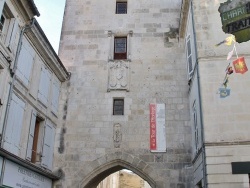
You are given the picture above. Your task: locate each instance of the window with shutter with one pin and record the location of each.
(44, 86)
(48, 145)
(55, 95)
(196, 131)
(7, 25)
(25, 62)
(14, 125)
(189, 57)
(31, 135)
(32, 153)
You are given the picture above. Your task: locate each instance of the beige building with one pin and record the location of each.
(220, 123)
(136, 67)
(123, 179)
(30, 76)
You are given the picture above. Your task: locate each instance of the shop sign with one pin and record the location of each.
(17, 176)
(235, 19)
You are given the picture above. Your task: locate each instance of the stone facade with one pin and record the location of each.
(123, 179)
(30, 77)
(220, 127)
(92, 142)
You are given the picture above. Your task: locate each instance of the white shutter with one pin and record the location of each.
(31, 135)
(48, 145)
(11, 34)
(189, 56)
(1, 6)
(25, 62)
(55, 96)
(44, 86)
(14, 125)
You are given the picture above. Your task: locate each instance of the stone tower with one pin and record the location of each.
(123, 56)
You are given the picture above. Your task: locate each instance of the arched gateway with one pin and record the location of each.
(113, 162)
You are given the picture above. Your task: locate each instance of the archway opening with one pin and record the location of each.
(97, 175)
(123, 179)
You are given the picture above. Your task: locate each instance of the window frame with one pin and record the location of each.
(189, 56)
(118, 55)
(118, 9)
(33, 151)
(196, 130)
(115, 112)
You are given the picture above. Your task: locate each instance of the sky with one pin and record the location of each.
(51, 16)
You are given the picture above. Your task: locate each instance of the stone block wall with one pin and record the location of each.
(156, 74)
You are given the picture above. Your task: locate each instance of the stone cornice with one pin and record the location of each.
(183, 17)
(43, 46)
(227, 143)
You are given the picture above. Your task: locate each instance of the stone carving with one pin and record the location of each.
(117, 135)
(118, 75)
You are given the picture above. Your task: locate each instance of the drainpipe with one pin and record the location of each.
(200, 103)
(13, 74)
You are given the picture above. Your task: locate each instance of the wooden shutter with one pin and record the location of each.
(14, 125)
(25, 62)
(55, 95)
(11, 34)
(31, 135)
(44, 86)
(48, 145)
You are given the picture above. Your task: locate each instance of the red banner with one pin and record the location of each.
(153, 126)
(240, 65)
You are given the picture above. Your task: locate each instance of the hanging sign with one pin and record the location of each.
(157, 128)
(240, 65)
(224, 92)
(235, 19)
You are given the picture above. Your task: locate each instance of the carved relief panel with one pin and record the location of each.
(117, 135)
(118, 75)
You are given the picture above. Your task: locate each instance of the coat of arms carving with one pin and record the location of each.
(118, 75)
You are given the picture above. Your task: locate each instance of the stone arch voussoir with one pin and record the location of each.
(95, 171)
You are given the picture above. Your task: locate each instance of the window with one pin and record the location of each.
(55, 95)
(48, 145)
(41, 141)
(25, 62)
(33, 150)
(189, 57)
(14, 124)
(8, 27)
(2, 21)
(44, 86)
(196, 133)
(120, 51)
(118, 107)
(199, 185)
(121, 7)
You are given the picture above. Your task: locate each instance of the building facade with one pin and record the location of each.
(123, 56)
(30, 76)
(123, 179)
(220, 153)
